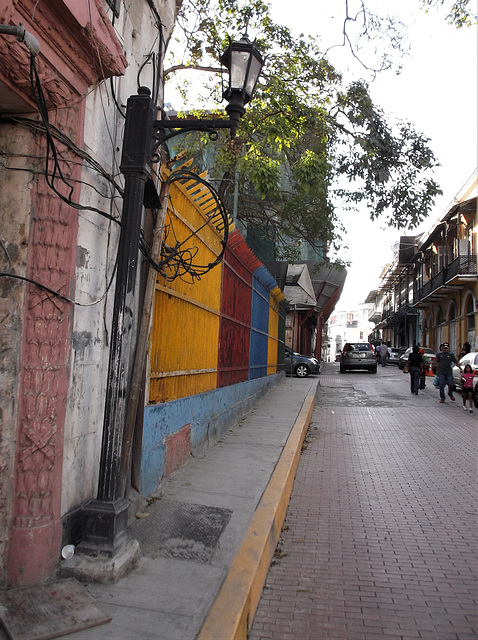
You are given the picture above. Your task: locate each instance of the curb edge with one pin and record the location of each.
(233, 610)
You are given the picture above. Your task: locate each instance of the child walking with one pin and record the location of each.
(467, 378)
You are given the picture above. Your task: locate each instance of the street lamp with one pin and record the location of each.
(106, 517)
(244, 63)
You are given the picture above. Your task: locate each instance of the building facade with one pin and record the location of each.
(63, 91)
(427, 294)
(348, 326)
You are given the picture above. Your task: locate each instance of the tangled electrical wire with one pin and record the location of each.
(178, 255)
(56, 180)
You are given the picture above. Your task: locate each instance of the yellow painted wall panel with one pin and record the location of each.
(273, 335)
(185, 327)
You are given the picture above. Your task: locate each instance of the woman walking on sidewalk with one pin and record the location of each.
(467, 382)
(415, 365)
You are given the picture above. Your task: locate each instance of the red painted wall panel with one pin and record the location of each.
(235, 323)
(177, 449)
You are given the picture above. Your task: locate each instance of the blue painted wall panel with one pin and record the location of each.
(208, 414)
(259, 328)
(260, 306)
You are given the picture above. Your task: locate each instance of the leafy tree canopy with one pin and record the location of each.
(306, 139)
(459, 13)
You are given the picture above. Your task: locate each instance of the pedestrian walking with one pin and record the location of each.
(466, 348)
(383, 349)
(423, 371)
(467, 384)
(445, 360)
(415, 366)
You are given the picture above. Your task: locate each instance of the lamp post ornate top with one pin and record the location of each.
(244, 63)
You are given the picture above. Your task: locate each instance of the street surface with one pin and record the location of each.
(380, 538)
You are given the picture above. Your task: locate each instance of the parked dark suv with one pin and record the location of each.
(300, 365)
(358, 355)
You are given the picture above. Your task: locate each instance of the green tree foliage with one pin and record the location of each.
(459, 13)
(305, 139)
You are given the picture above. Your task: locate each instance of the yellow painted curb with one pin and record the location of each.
(233, 610)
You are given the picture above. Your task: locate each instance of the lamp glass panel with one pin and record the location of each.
(254, 72)
(239, 64)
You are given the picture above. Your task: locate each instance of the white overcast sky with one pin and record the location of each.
(436, 92)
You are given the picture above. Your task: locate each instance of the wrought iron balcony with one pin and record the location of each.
(461, 270)
(463, 267)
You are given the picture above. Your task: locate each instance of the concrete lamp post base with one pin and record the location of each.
(106, 553)
(101, 568)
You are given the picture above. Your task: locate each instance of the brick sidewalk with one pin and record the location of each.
(380, 535)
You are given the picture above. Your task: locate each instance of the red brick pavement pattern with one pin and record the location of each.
(380, 535)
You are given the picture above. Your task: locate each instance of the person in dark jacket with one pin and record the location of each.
(445, 360)
(466, 348)
(415, 365)
(423, 371)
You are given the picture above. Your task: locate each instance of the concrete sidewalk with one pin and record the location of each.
(212, 530)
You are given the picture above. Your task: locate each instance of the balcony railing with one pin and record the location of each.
(461, 266)
(389, 315)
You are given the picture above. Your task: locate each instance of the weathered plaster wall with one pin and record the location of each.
(39, 234)
(96, 253)
(15, 212)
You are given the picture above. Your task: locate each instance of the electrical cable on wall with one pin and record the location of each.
(177, 256)
(53, 171)
(57, 294)
(51, 151)
(39, 127)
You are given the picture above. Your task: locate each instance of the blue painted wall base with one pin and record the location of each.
(209, 416)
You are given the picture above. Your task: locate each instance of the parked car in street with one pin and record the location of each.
(300, 365)
(394, 354)
(358, 355)
(429, 356)
(471, 359)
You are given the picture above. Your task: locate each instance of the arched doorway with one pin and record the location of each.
(439, 326)
(470, 320)
(452, 319)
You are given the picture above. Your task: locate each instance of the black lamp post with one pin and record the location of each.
(106, 517)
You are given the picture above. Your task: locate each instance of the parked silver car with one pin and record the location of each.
(430, 356)
(358, 355)
(300, 365)
(394, 354)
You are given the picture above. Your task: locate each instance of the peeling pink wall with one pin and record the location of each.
(177, 449)
(35, 533)
(77, 50)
